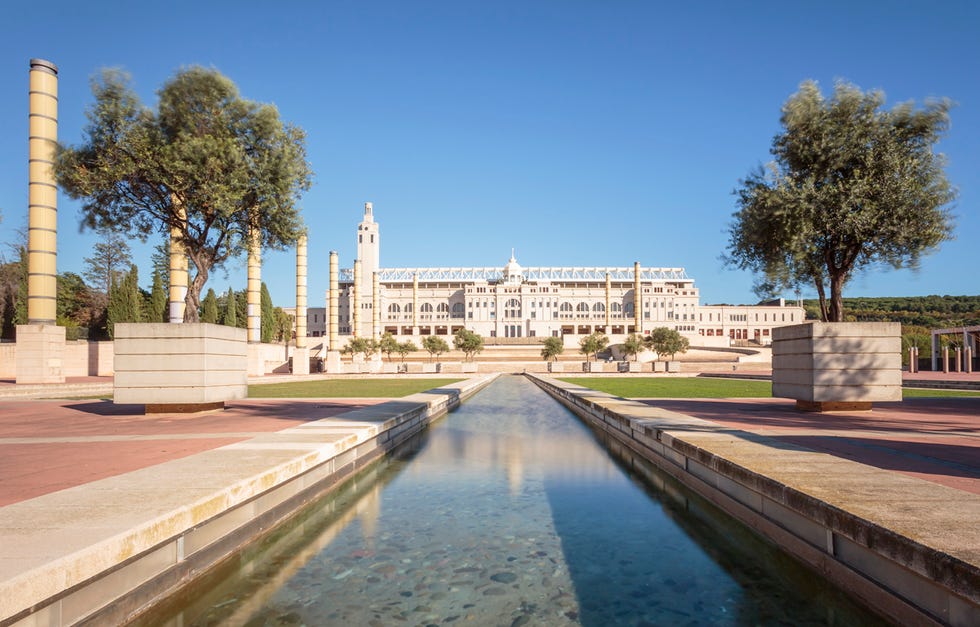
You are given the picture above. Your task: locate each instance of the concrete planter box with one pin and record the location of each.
(431, 368)
(554, 366)
(179, 367)
(673, 366)
(470, 367)
(660, 366)
(451, 367)
(593, 366)
(828, 366)
(390, 368)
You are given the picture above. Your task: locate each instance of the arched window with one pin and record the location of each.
(442, 308)
(426, 308)
(458, 307)
(394, 308)
(617, 307)
(512, 308)
(565, 307)
(408, 308)
(582, 307)
(599, 308)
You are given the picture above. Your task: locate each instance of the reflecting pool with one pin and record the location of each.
(511, 512)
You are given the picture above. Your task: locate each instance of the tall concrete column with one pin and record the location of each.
(301, 354)
(301, 292)
(608, 302)
(376, 306)
(415, 304)
(42, 222)
(333, 323)
(637, 297)
(41, 342)
(178, 269)
(355, 304)
(254, 294)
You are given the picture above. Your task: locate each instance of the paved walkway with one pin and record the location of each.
(936, 439)
(46, 446)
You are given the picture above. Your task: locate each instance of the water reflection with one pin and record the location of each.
(509, 513)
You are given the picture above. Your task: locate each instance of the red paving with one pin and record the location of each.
(936, 439)
(47, 446)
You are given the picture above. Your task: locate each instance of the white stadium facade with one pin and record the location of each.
(517, 305)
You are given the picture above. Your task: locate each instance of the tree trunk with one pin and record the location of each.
(192, 302)
(822, 295)
(836, 297)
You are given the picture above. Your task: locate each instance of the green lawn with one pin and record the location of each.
(687, 387)
(346, 388)
(701, 387)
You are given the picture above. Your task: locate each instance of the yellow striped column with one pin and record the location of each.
(254, 328)
(355, 302)
(178, 269)
(301, 292)
(376, 307)
(42, 222)
(334, 321)
(637, 296)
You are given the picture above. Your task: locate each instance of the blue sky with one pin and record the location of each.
(577, 132)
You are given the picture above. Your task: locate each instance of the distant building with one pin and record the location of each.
(521, 305)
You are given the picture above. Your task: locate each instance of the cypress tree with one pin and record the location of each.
(209, 309)
(157, 310)
(124, 301)
(267, 325)
(231, 310)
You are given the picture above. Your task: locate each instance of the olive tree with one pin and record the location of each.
(206, 165)
(851, 186)
(593, 344)
(553, 347)
(406, 347)
(667, 342)
(435, 345)
(633, 346)
(469, 342)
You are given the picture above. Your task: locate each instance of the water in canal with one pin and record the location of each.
(511, 512)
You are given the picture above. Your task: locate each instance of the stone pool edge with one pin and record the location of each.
(102, 563)
(917, 566)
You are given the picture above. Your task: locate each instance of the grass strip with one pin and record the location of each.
(346, 388)
(671, 387)
(704, 387)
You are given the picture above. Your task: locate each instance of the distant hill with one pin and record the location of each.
(931, 312)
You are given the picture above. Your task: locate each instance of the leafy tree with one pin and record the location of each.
(283, 331)
(157, 306)
(435, 345)
(110, 260)
(469, 342)
(667, 342)
(206, 163)
(74, 304)
(20, 307)
(360, 345)
(230, 317)
(852, 186)
(388, 345)
(633, 346)
(267, 321)
(124, 301)
(553, 347)
(406, 347)
(209, 310)
(593, 344)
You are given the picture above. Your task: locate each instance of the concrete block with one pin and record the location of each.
(40, 354)
(301, 360)
(839, 362)
(152, 371)
(556, 366)
(673, 366)
(660, 366)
